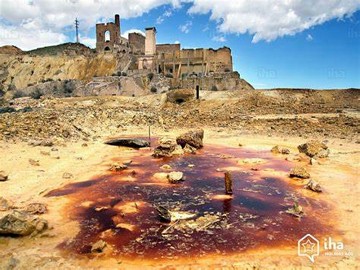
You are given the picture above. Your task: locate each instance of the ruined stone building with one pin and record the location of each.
(167, 59)
(108, 37)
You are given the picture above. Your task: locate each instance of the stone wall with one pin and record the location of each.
(212, 82)
(137, 43)
(167, 48)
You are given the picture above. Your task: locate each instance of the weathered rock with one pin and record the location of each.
(34, 162)
(161, 176)
(67, 175)
(133, 143)
(45, 142)
(3, 176)
(180, 95)
(178, 151)
(5, 204)
(280, 150)
(166, 167)
(21, 223)
(166, 148)
(296, 210)
(98, 247)
(193, 138)
(314, 149)
(188, 149)
(314, 186)
(299, 172)
(175, 177)
(36, 208)
(116, 167)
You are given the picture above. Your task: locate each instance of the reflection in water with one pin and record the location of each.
(122, 212)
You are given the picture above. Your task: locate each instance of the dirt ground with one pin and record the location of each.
(78, 127)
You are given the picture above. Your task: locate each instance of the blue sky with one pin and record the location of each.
(287, 46)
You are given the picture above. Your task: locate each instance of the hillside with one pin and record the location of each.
(63, 62)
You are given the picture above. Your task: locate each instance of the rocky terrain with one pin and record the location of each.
(302, 113)
(57, 137)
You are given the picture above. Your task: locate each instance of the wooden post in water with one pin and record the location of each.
(228, 183)
(197, 92)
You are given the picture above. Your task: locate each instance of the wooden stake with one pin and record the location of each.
(228, 183)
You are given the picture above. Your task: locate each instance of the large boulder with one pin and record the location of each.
(193, 138)
(21, 223)
(314, 148)
(128, 142)
(180, 95)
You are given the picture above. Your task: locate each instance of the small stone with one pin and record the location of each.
(34, 162)
(299, 172)
(296, 210)
(127, 162)
(314, 186)
(178, 151)
(160, 176)
(166, 167)
(116, 167)
(5, 204)
(175, 177)
(3, 176)
(280, 150)
(188, 149)
(84, 145)
(67, 175)
(313, 161)
(98, 247)
(191, 165)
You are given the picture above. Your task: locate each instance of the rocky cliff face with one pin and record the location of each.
(20, 70)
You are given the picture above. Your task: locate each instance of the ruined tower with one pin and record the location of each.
(150, 41)
(108, 35)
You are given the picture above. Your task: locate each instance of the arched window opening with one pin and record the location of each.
(107, 36)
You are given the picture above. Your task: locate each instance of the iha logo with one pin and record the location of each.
(309, 246)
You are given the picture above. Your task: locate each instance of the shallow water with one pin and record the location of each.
(120, 206)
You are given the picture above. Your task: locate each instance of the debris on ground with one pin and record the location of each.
(173, 216)
(299, 172)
